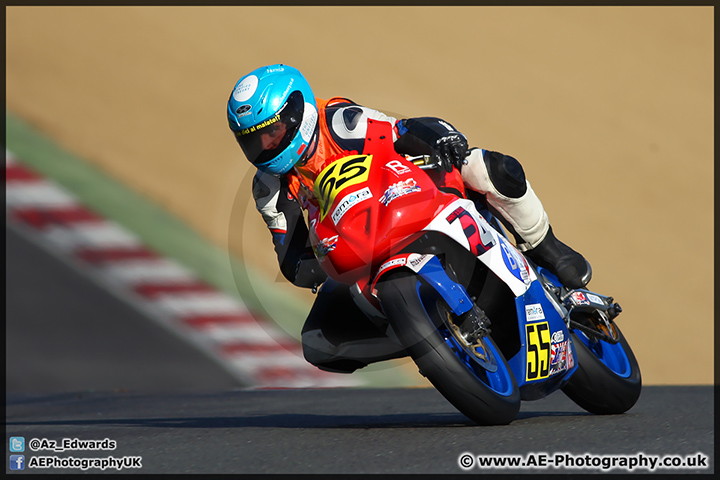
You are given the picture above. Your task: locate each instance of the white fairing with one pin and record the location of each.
(501, 256)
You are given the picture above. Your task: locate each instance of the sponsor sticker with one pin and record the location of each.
(515, 262)
(416, 261)
(397, 262)
(348, 202)
(558, 336)
(579, 298)
(325, 246)
(398, 167)
(595, 299)
(287, 89)
(558, 357)
(243, 110)
(245, 89)
(398, 190)
(307, 128)
(534, 312)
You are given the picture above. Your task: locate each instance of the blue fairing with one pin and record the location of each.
(537, 317)
(453, 293)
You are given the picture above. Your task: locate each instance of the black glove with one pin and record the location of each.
(432, 136)
(451, 150)
(308, 273)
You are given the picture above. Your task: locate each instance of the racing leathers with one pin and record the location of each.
(337, 336)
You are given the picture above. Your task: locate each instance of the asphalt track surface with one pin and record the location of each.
(159, 399)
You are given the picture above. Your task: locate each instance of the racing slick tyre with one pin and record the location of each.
(608, 379)
(475, 379)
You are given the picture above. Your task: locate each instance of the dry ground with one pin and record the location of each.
(610, 110)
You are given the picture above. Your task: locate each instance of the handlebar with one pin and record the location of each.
(425, 162)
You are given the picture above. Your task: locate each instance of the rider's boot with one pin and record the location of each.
(569, 266)
(502, 179)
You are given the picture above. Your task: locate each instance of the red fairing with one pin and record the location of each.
(371, 206)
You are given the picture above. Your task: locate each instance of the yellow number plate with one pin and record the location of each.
(537, 336)
(337, 176)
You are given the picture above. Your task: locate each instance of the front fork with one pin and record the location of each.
(467, 319)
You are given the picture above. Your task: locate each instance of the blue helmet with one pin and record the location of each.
(273, 113)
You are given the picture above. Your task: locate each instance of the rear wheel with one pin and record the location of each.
(608, 379)
(475, 378)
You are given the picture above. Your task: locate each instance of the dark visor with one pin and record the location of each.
(259, 149)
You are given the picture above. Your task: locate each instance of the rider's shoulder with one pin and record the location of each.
(266, 181)
(336, 102)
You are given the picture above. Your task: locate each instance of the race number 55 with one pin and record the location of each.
(338, 175)
(538, 350)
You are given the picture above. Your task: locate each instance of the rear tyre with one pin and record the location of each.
(608, 379)
(474, 379)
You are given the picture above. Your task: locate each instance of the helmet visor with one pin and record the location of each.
(266, 140)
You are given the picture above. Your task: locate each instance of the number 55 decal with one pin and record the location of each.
(339, 175)
(537, 337)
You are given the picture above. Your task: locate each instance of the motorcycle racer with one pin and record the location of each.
(289, 135)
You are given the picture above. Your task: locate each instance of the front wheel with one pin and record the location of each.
(608, 379)
(474, 378)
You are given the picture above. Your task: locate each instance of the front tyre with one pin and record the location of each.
(608, 379)
(482, 387)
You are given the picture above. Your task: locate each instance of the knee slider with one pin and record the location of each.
(506, 174)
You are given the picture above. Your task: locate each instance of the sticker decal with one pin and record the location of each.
(479, 239)
(515, 262)
(595, 299)
(558, 336)
(243, 110)
(579, 298)
(398, 190)
(397, 262)
(325, 246)
(417, 261)
(349, 201)
(537, 341)
(398, 167)
(307, 128)
(558, 357)
(337, 176)
(245, 89)
(534, 312)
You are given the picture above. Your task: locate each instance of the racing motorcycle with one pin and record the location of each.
(436, 271)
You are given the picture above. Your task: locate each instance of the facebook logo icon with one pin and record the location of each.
(17, 462)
